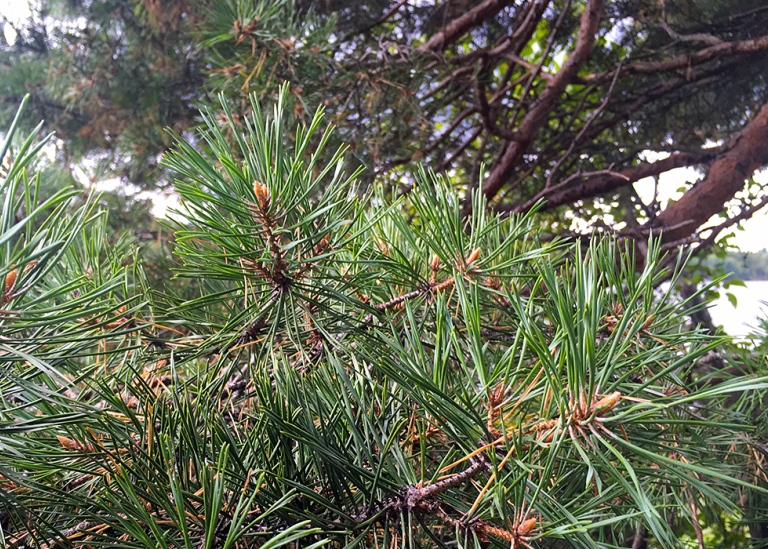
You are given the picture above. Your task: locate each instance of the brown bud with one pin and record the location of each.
(381, 245)
(322, 245)
(75, 445)
(526, 526)
(648, 322)
(607, 403)
(10, 281)
(434, 265)
(471, 258)
(262, 194)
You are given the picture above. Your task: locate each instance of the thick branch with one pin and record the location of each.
(537, 114)
(456, 28)
(567, 194)
(724, 179)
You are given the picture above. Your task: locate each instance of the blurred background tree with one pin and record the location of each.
(567, 101)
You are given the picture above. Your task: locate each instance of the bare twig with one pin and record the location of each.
(595, 115)
(387, 14)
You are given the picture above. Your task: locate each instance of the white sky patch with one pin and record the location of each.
(16, 11)
(163, 202)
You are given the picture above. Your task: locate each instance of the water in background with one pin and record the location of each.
(741, 320)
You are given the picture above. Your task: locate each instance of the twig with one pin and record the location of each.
(595, 115)
(387, 14)
(485, 113)
(696, 37)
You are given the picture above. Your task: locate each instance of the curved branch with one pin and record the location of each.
(685, 61)
(456, 28)
(564, 193)
(748, 151)
(537, 114)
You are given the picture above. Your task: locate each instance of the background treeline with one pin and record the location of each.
(742, 265)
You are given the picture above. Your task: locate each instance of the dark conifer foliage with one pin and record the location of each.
(569, 101)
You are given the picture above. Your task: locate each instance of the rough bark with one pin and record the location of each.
(538, 113)
(724, 179)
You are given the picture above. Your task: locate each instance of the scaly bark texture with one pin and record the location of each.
(724, 179)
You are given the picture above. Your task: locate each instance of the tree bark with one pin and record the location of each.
(724, 49)
(724, 179)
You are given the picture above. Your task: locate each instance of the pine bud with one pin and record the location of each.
(383, 248)
(322, 245)
(471, 258)
(606, 403)
(526, 526)
(10, 280)
(262, 194)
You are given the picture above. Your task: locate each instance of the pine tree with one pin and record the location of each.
(568, 101)
(355, 371)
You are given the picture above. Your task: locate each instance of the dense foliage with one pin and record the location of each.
(571, 101)
(354, 371)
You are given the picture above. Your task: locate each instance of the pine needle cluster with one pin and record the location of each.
(356, 371)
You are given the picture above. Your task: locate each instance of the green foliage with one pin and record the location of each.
(741, 265)
(354, 371)
(111, 75)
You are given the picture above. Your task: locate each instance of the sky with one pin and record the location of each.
(751, 239)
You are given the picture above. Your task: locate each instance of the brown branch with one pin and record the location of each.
(416, 494)
(530, 14)
(456, 28)
(262, 214)
(537, 114)
(685, 61)
(485, 114)
(595, 115)
(448, 131)
(639, 541)
(545, 55)
(564, 193)
(447, 80)
(460, 149)
(715, 231)
(533, 67)
(746, 152)
(696, 37)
